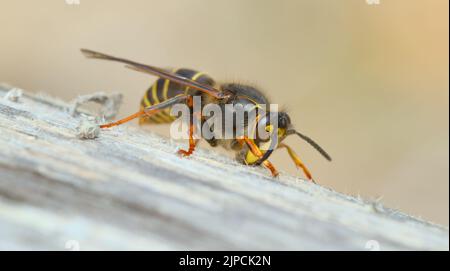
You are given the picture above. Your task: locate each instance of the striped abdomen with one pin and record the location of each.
(164, 89)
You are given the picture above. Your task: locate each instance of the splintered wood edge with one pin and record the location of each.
(285, 195)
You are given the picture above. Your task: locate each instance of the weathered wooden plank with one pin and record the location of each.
(127, 189)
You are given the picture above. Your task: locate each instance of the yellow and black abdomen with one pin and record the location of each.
(164, 89)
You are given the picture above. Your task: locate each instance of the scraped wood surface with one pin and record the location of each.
(127, 189)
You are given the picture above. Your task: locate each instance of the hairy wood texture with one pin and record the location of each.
(127, 189)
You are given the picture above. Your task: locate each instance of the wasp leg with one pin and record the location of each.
(256, 151)
(148, 110)
(192, 141)
(122, 121)
(297, 161)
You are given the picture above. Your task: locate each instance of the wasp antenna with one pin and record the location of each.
(314, 144)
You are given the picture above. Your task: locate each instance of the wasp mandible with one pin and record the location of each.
(181, 85)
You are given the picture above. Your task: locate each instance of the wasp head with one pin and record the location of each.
(279, 126)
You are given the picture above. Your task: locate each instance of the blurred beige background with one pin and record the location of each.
(368, 82)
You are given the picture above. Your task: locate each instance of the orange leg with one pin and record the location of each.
(192, 141)
(148, 110)
(119, 122)
(256, 151)
(297, 161)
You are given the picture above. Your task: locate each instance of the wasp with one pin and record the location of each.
(181, 85)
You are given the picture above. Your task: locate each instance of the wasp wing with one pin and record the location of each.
(158, 72)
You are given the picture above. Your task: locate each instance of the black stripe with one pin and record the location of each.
(149, 94)
(160, 90)
(173, 90)
(188, 73)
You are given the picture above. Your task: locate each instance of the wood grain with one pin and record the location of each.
(128, 190)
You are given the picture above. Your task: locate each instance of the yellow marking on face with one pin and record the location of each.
(281, 131)
(250, 158)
